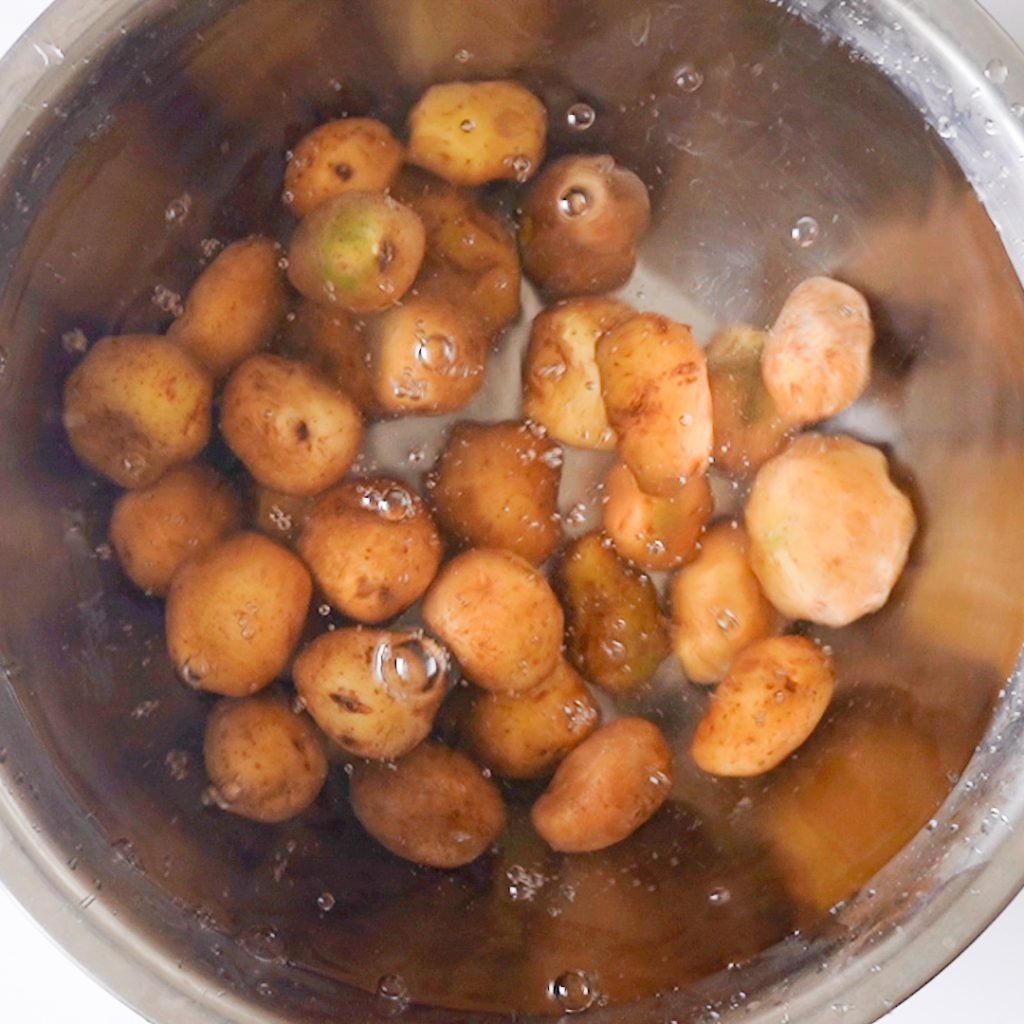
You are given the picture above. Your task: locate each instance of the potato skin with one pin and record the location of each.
(235, 614)
(433, 807)
(372, 547)
(136, 406)
(157, 529)
(500, 619)
(264, 761)
(608, 787)
(295, 432)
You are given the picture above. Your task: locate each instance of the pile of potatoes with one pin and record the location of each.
(387, 301)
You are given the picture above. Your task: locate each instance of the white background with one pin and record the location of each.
(40, 985)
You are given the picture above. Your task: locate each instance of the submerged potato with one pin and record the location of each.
(829, 531)
(136, 406)
(281, 516)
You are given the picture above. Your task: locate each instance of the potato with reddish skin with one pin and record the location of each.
(433, 807)
(655, 386)
(281, 516)
(372, 547)
(608, 787)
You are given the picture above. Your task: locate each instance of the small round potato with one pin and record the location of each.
(470, 133)
(608, 787)
(524, 735)
(563, 386)
(775, 694)
(718, 607)
(281, 516)
(353, 154)
(235, 614)
(655, 385)
(496, 486)
(582, 221)
(817, 359)
(264, 761)
(433, 807)
(295, 432)
(360, 252)
(375, 693)
(372, 547)
(655, 533)
(829, 531)
(500, 619)
(136, 406)
(157, 529)
(235, 307)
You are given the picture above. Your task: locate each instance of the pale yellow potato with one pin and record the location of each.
(264, 761)
(157, 529)
(235, 307)
(281, 516)
(655, 385)
(829, 531)
(137, 405)
(294, 431)
(718, 607)
(374, 692)
(433, 807)
(562, 383)
(608, 787)
(470, 133)
(817, 357)
(774, 696)
(500, 619)
(372, 547)
(235, 614)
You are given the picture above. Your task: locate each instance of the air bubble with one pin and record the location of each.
(522, 167)
(805, 232)
(727, 620)
(574, 203)
(177, 762)
(468, 125)
(580, 116)
(74, 342)
(393, 988)
(719, 896)
(326, 902)
(463, 56)
(415, 665)
(280, 519)
(436, 352)
(3, 363)
(991, 128)
(946, 129)
(574, 991)
(996, 71)
(640, 28)
(192, 674)
(688, 78)
(262, 942)
(391, 503)
(178, 209)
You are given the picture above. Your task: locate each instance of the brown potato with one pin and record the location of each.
(281, 516)
(264, 761)
(582, 221)
(295, 432)
(608, 787)
(235, 307)
(500, 619)
(829, 531)
(235, 614)
(157, 529)
(655, 386)
(496, 486)
(470, 133)
(136, 406)
(372, 547)
(433, 807)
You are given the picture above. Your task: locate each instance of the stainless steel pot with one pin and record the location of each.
(127, 122)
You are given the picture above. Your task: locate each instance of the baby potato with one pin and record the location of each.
(372, 547)
(496, 486)
(375, 693)
(500, 619)
(360, 251)
(616, 634)
(353, 154)
(295, 432)
(829, 531)
(524, 735)
(582, 221)
(817, 358)
(718, 607)
(264, 761)
(655, 386)
(235, 614)
(157, 529)
(610, 785)
(235, 307)
(135, 406)
(433, 807)
(775, 694)
(655, 533)
(563, 386)
(470, 133)
(281, 516)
